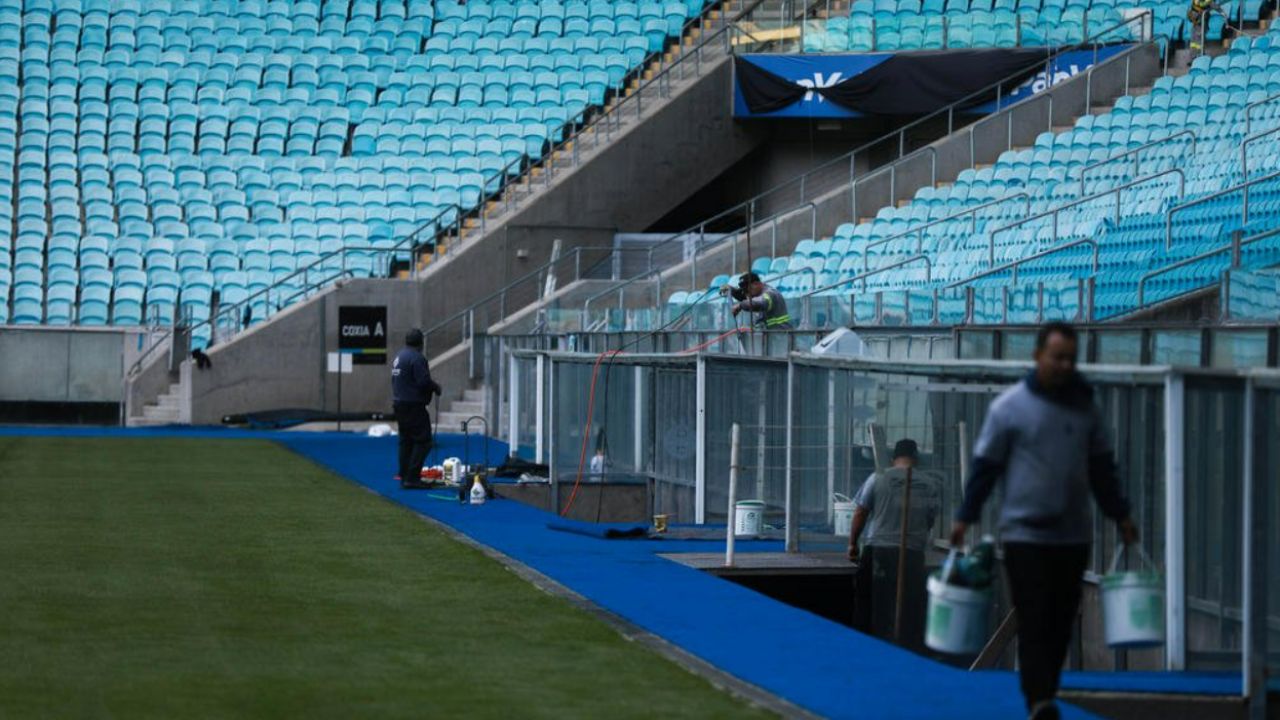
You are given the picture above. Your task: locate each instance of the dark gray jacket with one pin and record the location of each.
(1052, 451)
(411, 378)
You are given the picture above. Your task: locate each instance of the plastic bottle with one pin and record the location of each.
(477, 492)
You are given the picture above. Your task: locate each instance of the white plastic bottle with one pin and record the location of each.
(477, 492)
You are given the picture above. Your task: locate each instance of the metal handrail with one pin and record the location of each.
(586, 305)
(136, 367)
(701, 228)
(1013, 265)
(991, 237)
(892, 169)
(1248, 110)
(1134, 152)
(1168, 218)
(920, 229)
(950, 110)
(578, 125)
(576, 253)
(1234, 246)
(1244, 161)
(863, 276)
(316, 265)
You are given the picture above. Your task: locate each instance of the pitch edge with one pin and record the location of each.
(718, 678)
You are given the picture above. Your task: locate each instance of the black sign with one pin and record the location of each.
(362, 333)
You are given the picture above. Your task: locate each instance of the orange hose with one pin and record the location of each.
(586, 431)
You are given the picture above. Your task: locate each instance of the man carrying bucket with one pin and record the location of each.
(1045, 437)
(880, 507)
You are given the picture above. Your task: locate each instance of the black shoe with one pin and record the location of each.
(1045, 710)
(415, 485)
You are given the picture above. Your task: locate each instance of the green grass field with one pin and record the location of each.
(195, 578)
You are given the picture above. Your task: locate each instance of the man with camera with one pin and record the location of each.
(755, 297)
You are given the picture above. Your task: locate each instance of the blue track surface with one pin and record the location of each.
(815, 663)
(820, 665)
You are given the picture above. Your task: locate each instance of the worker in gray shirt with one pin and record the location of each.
(878, 509)
(1045, 437)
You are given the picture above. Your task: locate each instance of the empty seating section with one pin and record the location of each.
(170, 154)
(1102, 186)
(891, 25)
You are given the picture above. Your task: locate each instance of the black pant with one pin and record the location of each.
(415, 439)
(1045, 583)
(875, 600)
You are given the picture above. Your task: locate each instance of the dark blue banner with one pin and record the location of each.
(805, 74)
(1062, 68)
(809, 71)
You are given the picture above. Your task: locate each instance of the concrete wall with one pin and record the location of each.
(632, 182)
(64, 365)
(283, 364)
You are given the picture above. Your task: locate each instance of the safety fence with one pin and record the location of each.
(1198, 452)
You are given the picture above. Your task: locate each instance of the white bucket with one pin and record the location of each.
(748, 518)
(452, 470)
(843, 514)
(1133, 605)
(957, 619)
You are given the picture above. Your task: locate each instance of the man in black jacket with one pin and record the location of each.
(411, 390)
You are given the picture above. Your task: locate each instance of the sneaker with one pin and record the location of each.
(1045, 710)
(415, 485)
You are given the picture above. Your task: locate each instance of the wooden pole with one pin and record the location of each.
(902, 560)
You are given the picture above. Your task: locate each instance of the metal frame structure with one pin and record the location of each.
(710, 417)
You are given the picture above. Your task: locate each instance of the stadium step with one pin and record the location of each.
(166, 410)
(470, 405)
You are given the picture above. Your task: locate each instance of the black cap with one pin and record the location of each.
(413, 338)
(905, 448)
(747, 278)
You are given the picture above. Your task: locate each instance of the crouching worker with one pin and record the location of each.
(411, 391)
(878, 508)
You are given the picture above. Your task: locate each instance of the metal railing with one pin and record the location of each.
(1014, 264)
(973, 227)
(1248, 110)
(1244, 161)
(702, 246)
(1237, 242)
(595, 122)
(804, 182)
(946, 30)
(1244, 204)
(323, 266)
(538, 275)
(1137, 160)
(1055, 212)
(451, 219)
(863, 276)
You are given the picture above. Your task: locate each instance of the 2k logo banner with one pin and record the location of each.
(819, 81)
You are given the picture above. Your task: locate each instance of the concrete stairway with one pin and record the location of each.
(471, 404)
(166, 410)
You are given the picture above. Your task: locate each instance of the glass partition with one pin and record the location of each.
(1176, 347)
(813, 428)
(1266, 470)
(1118, 347)
(753, 394)
(1238, 348)
(1214, 415)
